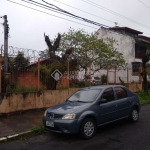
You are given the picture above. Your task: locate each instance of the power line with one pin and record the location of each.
(113, 12)
(144, 4)
(49, 8)
(84, 11)
(77, 17)
(63, 11)
(60, 11)
(83, 19)
(63, 14)
(52, 14)
(90, 13)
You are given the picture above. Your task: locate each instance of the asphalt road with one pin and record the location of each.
(121, 135)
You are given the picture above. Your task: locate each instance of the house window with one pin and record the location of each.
(136, 68)
(140, 51)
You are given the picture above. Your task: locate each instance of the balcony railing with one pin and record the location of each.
(139, 55)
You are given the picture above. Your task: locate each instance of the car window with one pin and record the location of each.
(108, 94)
(120, 92)
(85, 95)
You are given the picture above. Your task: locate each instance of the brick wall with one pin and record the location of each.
(29, 80)
(63, 82)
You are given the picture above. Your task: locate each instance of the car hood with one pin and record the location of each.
(67, 107)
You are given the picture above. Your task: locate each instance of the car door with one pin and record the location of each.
(124, 102)
(107, 111)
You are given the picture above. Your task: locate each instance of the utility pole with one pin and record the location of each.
(6, 31)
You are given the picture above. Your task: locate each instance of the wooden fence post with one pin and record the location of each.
(38, 74)
(140, 77)
(90, 75)
(68, 76)
(127, 75)
(107, 76)
(0, 73)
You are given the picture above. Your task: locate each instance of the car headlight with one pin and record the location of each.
(45, 113)
(69, 116)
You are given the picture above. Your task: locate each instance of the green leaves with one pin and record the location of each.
(88, 49)
(18, 63)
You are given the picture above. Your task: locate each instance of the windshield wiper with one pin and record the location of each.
(68, 100)
(77, 101)
(82, 101)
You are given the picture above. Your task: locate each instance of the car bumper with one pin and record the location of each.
(62, 126)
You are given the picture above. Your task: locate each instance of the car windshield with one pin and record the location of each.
(85, 95)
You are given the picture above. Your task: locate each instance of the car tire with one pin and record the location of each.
(134, 115)
(87, 128)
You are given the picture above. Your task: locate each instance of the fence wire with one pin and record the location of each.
(32, 71)
(31, 54)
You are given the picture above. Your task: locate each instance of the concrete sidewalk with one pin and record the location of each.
(19, 123)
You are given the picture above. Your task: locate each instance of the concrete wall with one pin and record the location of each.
(20, 102)
(134, 87)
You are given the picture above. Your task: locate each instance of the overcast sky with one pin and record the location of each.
(27, 26)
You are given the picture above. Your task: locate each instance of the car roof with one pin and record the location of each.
(102, 86)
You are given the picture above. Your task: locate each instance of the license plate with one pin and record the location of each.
(49, 124)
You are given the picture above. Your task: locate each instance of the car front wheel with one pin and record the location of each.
(134, 115)
(88, 128)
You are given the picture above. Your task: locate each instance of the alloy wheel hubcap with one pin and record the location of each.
(89, 128)
(135, 114)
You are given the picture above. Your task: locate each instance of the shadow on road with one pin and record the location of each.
(101, 130)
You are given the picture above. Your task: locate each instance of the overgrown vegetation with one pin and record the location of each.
(144, 99)
(38, 130)
(89, 51)
(103, 79)
(74, 50)
(62, 88)
(22, 89)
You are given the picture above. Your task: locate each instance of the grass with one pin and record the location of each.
(22, 90)
(144, 99)
(37, 130)
(62, 88)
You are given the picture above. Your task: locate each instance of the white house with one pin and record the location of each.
(132, 44)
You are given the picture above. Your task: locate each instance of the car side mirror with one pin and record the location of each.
(103, 100)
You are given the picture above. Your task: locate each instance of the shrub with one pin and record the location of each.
(103, 79)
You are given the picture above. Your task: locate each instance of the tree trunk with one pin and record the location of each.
(145, 84)
(85, 75)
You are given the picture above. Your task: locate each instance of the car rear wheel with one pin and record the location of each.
(88, 128)
(134, 115)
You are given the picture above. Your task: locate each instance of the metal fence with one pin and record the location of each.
(28, 72)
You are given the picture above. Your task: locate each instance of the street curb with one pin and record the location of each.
(6, 138)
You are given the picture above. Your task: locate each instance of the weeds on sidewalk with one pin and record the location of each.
(144, 99)
(37, 130)
(34, 131)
